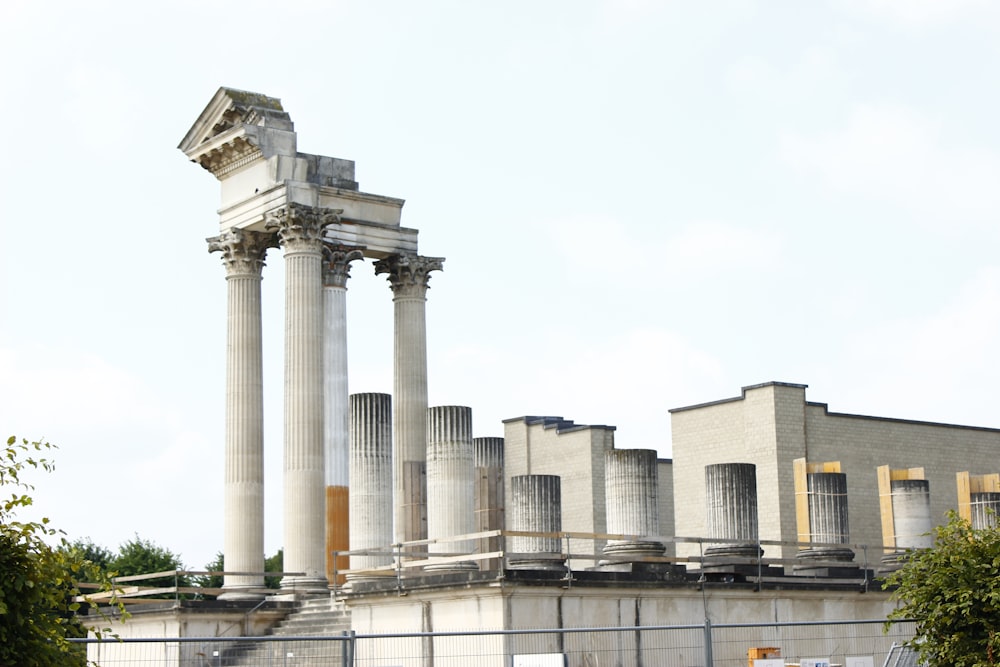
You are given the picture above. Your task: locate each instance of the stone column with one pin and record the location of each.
(408, 276)
(731, 502)
(827, 496)
(450, 482)
(371, 478)
(536, 507)
(300, 231)
(489, 501)
(631, 489)
(243, 524)
(985, 507)
(911, 513)
(336, 271)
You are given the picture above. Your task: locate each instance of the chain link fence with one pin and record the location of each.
(698, 645)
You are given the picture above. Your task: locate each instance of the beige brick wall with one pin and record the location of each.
(771, 425)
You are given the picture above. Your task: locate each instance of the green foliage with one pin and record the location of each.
(139, 556)
(952, 591)
(38, 611)
(275, 563)
(85, 549)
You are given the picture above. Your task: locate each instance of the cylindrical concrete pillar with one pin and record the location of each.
(911, 513)
(371, 479)
(489, 499)
(243, 523)
(535, 506)
(827, 516)
(336, 270)
(408, 276)
(985, 507)
(450, 482)
(300, 231)
(731, 503)
(631, 488)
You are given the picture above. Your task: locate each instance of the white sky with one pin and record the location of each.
(642, 204)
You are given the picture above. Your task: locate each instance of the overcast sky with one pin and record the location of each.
(643, 205)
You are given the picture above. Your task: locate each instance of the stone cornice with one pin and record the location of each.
(228, 156)
(299, 227)
(409, 275)
(242, 251)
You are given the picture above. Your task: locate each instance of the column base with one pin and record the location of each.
(242, 593)
(305, 585)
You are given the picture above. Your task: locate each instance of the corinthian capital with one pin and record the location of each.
(408, 275)
(337, 263)
(242, 251)
(300, 227)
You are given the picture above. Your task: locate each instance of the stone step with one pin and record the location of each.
(322, 617)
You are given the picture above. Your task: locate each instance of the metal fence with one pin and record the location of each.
(698, 645)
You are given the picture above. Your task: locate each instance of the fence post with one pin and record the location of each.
(708, 642)
(347, 652)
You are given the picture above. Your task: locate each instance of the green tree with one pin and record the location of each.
(38, 589)
(139, 556)
(88, 551)
(275, 563)
(952, 591)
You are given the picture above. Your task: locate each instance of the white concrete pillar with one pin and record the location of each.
(536, 507)
(370, 478)
(408, 276)
(632, 499)
(911, 513)
(489, 500)
(243, 523)
(336, 271)
(300, 231)
(450, 482)
(985, 507)
(731, 503)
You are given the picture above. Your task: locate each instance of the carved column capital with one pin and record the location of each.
(300, 228)
(242, 251)
(337, 263)
(409, 275)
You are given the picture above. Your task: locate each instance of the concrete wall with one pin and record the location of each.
(533, 607)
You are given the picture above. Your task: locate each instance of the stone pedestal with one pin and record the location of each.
(450, 483)
(631, 488)
(243, 530)
(370, 479)
(489, 498)
(408, 277)
(336, 270)
(535, 506)
(300, 231)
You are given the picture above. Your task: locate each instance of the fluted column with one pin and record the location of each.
(984, 507)
(631, 487)
(336, 271)
(243, 523)
(489, 501)
(827, 496)
(370, 478)
(408, 276)
(536, 507)
(450, 481)
(731, 503)
(300, 231)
